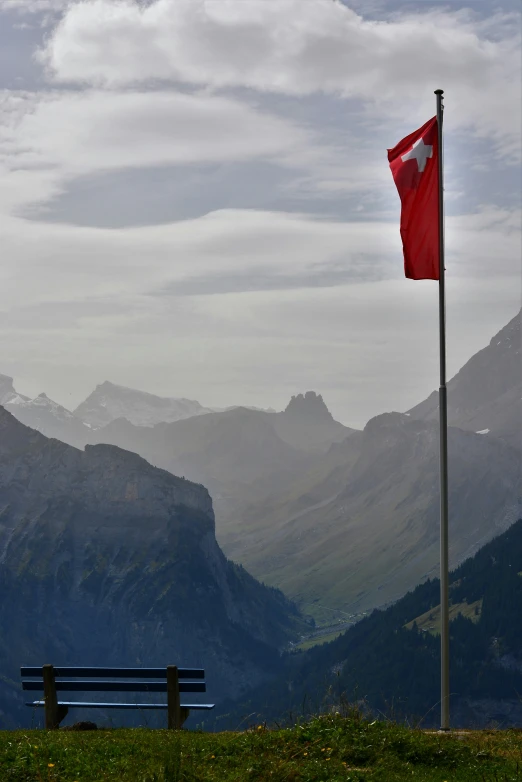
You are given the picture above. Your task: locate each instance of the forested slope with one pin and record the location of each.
(395, 670)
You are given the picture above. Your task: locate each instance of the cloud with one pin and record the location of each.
(327, 275)
(92, 130)
(298, 47)
(222, 252)
(49, 138)
(250, 304)
(78, 305)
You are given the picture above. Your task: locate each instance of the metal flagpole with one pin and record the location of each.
(443, 415)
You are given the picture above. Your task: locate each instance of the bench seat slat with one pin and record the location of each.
(116, 673)
(85, 704)
(107, 686)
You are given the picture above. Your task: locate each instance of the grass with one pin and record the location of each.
(430, 620)
(317, 640)
(329, 747)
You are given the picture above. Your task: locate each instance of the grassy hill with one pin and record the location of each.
(326, 748)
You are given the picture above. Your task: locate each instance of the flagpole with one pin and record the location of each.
(443, 416)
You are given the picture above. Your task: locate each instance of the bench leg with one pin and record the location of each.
(177, 714)
(54, 713)
(174, 709)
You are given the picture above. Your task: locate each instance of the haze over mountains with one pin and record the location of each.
(123, 556)
(109, 401)
(361, 527)
(340, 520)
(236, 452)
(370, 529)
(106, 559)
(50, 418)
(356, 526)
(485, 395)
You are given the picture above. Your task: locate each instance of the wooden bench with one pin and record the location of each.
(52, 680)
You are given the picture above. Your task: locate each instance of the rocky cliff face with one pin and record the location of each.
(307, 423)
(105, 559)
(308, 406)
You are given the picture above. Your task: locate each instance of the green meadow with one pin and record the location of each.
(333, 747)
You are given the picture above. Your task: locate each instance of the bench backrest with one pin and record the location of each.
(112, 679)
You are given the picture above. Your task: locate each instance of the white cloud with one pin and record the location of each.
(49, 138)
(289, 308)
(299, 47)
(48, 262)
(76, 308)
(89, 131)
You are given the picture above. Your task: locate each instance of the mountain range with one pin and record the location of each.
(8, 394)
(50, 418)
(360, 526)
(105, 559)
(341, 520)
(238, 452)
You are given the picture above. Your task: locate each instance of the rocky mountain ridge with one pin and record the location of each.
(50, 418)
(238, 454)
(485, 395)
(8, 394)
(109, 401)
(324, 537)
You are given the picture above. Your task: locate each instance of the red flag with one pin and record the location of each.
(415, 169)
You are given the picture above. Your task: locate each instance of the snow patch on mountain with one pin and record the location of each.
(44, 414)
(8, 394)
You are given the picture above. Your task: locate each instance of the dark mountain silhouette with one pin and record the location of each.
(105, 559)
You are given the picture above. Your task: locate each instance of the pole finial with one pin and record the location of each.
(438, 92)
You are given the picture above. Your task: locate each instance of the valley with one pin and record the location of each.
(315, 526)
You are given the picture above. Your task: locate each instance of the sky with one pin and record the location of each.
(195, 197)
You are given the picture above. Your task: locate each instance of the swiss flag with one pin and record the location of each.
(414, 165)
